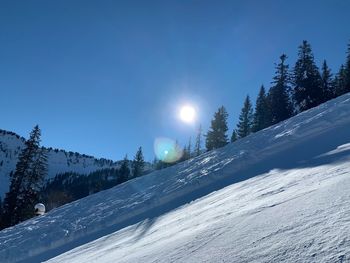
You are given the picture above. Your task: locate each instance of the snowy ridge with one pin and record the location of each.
(59, 161)
(290, 164)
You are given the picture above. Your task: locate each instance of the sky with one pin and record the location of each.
(105, 77)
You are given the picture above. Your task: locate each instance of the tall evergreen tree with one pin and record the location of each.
(234, 136)
(1, 213)
(197, 146)
(261, 118)
(327, 82)
(187, 151)
(279, 98)
(307, 81)
(189, 148)
(340, 82)
(244, 126)
(138, 163)
(217, 134)
(26, 181)
(124, 170)
(347, 70)
(185, 154)
(39, 172)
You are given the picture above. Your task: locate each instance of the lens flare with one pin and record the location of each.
(167, 150)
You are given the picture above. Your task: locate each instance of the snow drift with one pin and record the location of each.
(278, 195)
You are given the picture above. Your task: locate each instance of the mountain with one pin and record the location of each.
(279, 195)
(59, 161)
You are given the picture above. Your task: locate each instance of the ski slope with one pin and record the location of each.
(280, 195)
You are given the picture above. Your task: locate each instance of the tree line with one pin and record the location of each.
(291, 92)
(186, 152)
(67, 187)
(28, 184)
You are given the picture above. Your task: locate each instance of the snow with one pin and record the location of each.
(59, 161)
(10, 147)
(278, 195)
(247, 222)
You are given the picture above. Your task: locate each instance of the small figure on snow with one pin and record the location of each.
(39, 209)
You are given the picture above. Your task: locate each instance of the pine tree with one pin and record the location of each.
(278, 97)
(124, 170)
(244, 126)
(39, 172)
(138, 163)
(216, 136)
(155, 163)
(189, 148)
(185, 154)
(327, 82)
(159, 164)
(340, 82)
(197, 147)
(26, 181)
(261, 118)
(1, 213)
(234, 136)
(186, 151)
(307, 91)
(347, 70)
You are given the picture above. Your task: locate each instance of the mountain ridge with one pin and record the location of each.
(59, 161)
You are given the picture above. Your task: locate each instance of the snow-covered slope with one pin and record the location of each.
(281, 194)
(59, 161)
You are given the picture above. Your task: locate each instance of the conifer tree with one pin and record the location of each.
(155, 163)
(307, 82)
(347, 70)
(279, 99)
(197, 147)
(189, 148)
(1, 212)
(217, 134)
(26, 181)
(261, 118)
(39, 172)
(244, 126)
(234, 136)
(159, 164)
(124, 170)
(327, 82)
(340, 82)
(185, 154)
(138, 163)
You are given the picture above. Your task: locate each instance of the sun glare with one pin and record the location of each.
(187, 114)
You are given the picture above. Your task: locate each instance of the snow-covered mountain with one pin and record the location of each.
(279, 195)
(59, 161)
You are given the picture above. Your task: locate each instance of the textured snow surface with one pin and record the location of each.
(281, 194)
(299, 215)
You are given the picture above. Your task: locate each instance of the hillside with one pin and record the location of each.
(278, 195)
(59, 161)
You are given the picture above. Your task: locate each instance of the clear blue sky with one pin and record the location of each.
(104, 77)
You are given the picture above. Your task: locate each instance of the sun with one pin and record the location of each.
(187, 114)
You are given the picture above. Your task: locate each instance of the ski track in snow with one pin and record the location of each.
(280, 195)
